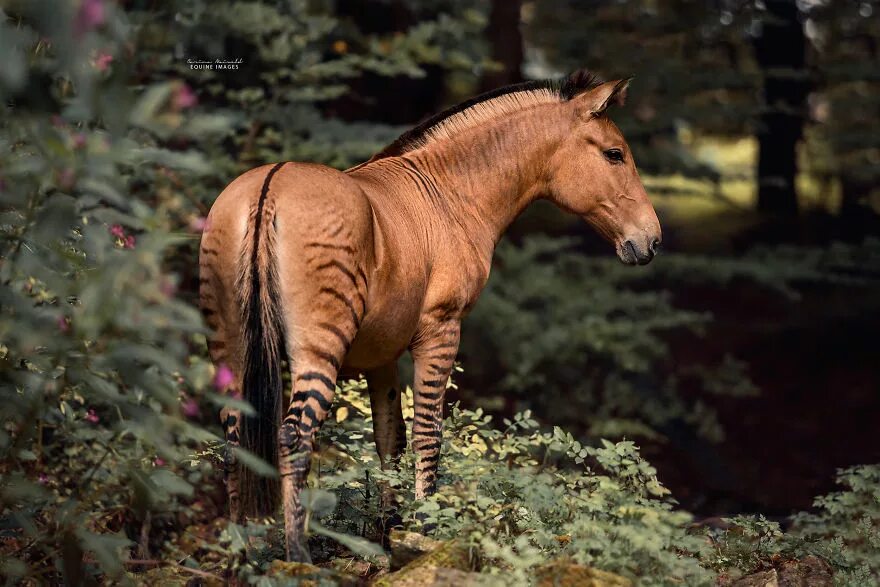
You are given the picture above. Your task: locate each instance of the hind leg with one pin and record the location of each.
(230, 419)
(324, 313)
(319, 353)
(314, 385)
(390, 435)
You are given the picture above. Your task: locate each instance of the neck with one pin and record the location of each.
(486, 176)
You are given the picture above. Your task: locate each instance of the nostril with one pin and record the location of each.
(655, 246)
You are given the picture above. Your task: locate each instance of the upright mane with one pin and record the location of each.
(487, 106)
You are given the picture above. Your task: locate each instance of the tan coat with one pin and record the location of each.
(341, 272)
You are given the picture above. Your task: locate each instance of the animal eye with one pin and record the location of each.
(614, 155)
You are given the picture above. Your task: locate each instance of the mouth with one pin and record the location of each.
(631, 254)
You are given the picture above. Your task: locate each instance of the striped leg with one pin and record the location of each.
(434, 357)
(321, 338)
(313, 390)
(389, 433)
(230, 419)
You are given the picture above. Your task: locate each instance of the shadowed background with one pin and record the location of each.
(743, 360)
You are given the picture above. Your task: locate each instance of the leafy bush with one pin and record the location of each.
(585, 341)
(519, 496)
(99, 395)
(844, 531)
(846, 528)
(108, 160)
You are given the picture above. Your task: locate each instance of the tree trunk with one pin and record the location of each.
(856, 218)
(505, 44)
(781, 54)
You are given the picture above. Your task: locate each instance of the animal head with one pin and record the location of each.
(593, 174)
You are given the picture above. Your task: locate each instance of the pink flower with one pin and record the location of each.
(43, 478)
(117, 231)
(159, 462)
(79, 140)
(102, 61)
(198, 224)
(63, 323)
(92, 417)
(91, 15)
(184, 97)
(129, 242)
(224, 377)
(190, 408)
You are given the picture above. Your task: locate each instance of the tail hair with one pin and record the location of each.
(265, 348)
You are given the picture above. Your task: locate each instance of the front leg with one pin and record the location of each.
(434, 355)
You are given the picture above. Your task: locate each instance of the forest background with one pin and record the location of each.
(742, 362)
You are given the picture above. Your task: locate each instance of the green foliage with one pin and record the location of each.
(94, 344)
(844, 530)
(520, 496)
(586, 339)
(749, 543)
(296, 56)
(565, 326)
(111, 151)
(106, 152)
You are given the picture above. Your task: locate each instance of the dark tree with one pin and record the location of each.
(780, 50)
(847, 58)
(505, 44)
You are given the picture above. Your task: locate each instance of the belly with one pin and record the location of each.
(385, 333)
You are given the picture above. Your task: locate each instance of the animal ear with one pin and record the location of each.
(597, 100)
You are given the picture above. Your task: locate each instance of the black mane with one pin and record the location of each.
(577, 83)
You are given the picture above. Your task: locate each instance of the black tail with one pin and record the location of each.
(265, 347)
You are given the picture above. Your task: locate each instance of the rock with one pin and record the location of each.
(810, 571)
(280, 568)
(759, 579)
(408, 546)
(448, 564)
(352, 566)
(431, 575)
(174, 576)
(451, 554)
(564, 573)
(309, 575)
(160, 576)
